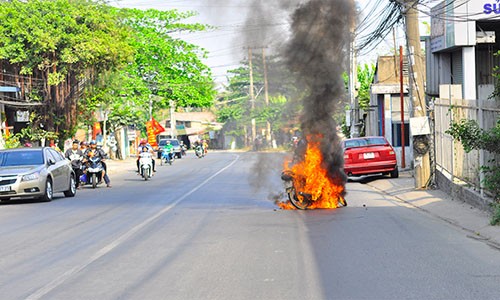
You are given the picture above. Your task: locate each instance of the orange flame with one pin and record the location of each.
(311, 177)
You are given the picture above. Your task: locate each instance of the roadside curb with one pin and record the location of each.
(440, 205)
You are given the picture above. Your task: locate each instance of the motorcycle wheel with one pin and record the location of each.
(342, 201)
(94, 181)
(299, 201)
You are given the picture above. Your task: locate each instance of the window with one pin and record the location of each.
(57, 156)
(396, 134)
(21, 158)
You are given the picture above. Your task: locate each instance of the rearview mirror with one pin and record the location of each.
(51, 162)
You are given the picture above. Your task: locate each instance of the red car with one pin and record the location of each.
(369, 155)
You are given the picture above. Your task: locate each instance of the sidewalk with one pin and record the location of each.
(440, 205)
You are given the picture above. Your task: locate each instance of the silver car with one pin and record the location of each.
(35, 173)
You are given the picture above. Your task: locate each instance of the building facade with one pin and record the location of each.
(461, 58)
(384, 117)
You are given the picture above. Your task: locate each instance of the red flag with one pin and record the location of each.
(96, 129)
(156, 126)
(151, 134)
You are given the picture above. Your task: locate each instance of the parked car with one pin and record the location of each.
(173, 142)
(35, 173)
(369, 155)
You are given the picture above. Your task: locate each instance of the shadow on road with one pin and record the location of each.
(367, 178)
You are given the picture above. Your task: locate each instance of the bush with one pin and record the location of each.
(495, 219)
(473, 137)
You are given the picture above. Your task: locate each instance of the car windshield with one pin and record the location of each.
(174, 142)
(365, 142)
(21, 158)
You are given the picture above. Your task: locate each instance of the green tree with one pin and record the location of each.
(162, 66)
(61, 51)
(366, 74)
(53, 49)
(235, 108)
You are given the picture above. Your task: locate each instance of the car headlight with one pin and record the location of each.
(32, 176)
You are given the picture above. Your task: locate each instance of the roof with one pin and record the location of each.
(204, 116)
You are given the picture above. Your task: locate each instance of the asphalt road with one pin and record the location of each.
(206, 229)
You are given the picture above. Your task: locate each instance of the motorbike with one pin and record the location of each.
(94, 171)
(146, 165)
(198, 150)
(298, 198)
(167, 157)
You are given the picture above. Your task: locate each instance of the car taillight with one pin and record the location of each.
(346, 156)
(391, 152)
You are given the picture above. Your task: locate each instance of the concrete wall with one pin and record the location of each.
(462, 192)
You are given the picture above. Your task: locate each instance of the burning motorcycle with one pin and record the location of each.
(299, 198)
(146, 165)
(308, 183)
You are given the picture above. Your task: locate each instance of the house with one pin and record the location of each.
(14, 112)
(192, 126)
(384, 117)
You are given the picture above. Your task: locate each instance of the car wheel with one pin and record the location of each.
(395, 173)
(71, 192)
(49, 191)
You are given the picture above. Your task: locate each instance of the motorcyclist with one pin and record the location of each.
(204, 144)
(84, 146)
(93, 151)
(169, 150)
(183, 148)
(75, 155)
(144, 143)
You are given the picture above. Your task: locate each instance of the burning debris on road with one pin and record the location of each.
(317, 52)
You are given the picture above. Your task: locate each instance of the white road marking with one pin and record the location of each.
(108, 248)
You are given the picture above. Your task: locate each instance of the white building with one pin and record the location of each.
(464, 40)
(461, 57)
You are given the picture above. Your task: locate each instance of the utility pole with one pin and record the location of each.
(173, 122)
(417, 94)
(402, 103)
(266, 96)
(353, 78)
(252, 95)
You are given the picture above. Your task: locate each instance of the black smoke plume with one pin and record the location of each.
(318, 51)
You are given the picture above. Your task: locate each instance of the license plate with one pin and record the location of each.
(5, 188)
(369, 155)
